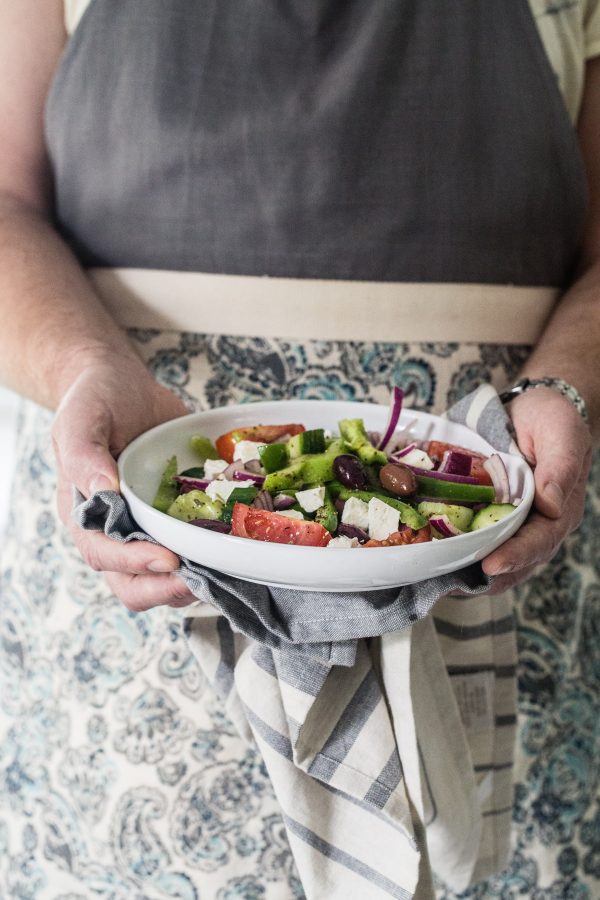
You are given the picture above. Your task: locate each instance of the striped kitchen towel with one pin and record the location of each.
(386, 720)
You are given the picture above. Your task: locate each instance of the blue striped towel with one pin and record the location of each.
(387, 731)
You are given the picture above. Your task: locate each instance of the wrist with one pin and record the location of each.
(94, 355)
(559, 385)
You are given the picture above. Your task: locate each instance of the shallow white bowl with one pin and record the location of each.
(309, 568)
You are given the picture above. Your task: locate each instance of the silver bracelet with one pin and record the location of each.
(558, 384)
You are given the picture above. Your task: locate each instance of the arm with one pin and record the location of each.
(58, 345)
(549, 431)
(51, 323)
(570, 346)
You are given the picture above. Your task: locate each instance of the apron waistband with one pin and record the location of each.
(311, 309)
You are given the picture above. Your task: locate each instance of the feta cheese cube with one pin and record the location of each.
(356, 512)
(383, 519)
(214, 467)
(343, 543)
(291, 513)
(417, 458)
(246, 451)
(220, 489)
(312, 499)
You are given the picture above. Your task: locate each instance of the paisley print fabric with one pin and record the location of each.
(120, 776)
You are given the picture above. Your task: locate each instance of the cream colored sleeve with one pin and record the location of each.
(592, 28)
(74, 9)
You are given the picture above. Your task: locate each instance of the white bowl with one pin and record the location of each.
(309, 568)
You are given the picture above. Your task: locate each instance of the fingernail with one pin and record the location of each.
(555, 495)
(505, 569)
(101, 483)
(161, 565)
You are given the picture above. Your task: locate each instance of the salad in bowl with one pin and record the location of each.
(287, 484)
(261, 490)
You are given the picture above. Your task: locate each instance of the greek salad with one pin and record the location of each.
(357, 489)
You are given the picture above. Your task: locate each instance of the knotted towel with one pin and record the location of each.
(386, 719)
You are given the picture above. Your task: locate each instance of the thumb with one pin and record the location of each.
(559, 464)
(81, 440)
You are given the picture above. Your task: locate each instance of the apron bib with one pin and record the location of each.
(381, 141)
(304, 141)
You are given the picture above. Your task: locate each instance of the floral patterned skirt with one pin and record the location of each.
(121, 778)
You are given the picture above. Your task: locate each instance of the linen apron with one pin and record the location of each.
(301, 140)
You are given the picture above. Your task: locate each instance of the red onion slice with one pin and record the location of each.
(441, 476)
(395, 410)
(444, 526)
(283, 501)
(497, 472)
(397, 455)
(402, 434)
(248, 476)
(187, 484)
(254, 466)
(454, 462)
(232, 468)
(263, 500)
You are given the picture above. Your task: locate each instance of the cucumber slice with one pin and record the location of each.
(167, 489)
(312, 441)
(337, 447)
(284, 479)
(491, 514)
(195, 505)
(461, 516)
(313, 468)
(317, 469)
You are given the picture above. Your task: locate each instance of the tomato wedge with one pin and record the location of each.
(238, 519)
(264, 434)
(408, 536)
(436, 450)
(478, 472)
(261, 525)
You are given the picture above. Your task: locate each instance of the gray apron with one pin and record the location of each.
(390, 141)
(384, 141)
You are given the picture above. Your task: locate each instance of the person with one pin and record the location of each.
(425, 150)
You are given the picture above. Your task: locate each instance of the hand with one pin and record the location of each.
(557, 444)
(110, 403)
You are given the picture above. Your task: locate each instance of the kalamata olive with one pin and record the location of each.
(212, 525)
(398, 479)
(350, 472)
(352, 531)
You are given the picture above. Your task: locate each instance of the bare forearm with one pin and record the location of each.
(51, 322)
(570, 345)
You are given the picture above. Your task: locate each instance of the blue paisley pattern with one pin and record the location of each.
(120, 775)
